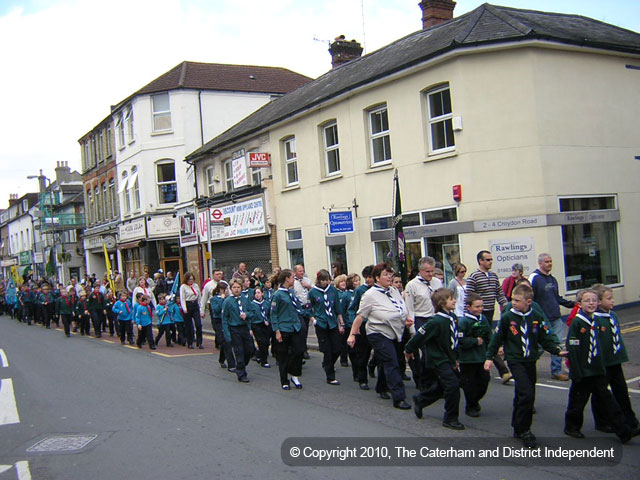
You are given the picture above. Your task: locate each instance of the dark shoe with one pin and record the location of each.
(405, 377)
(190, 347)
(453, 425)
(121, 342)
(286, 387)
(305, 355)
(232, 370)
(573, 433)
(243, 379)
(170, 345)
(98, 336)
(372, 371)
(223, 365)
(402, 405)
(605, 429)
(472, 412)
(528, 439)
(417, 409)
(333, 382)
(344, 364)
(153, 347)
(364, 386)
(384, 396)
(130, 342)
(201, 347)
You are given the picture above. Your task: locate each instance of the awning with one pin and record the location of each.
(123, 184)
(132, 180)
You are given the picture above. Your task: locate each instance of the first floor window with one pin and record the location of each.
(591, 251)
(440, 120)
(167, 184)
(331, 149)
(228, 175)
(379, 136)
(294, 247)
(210, 175)
(161, 112)
(291, 161)
(338, 259)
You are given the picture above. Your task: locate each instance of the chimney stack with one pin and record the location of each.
(63, 172)
(13, 198)
(435, 12)
(343, 51)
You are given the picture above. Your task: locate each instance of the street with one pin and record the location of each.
(120, 412)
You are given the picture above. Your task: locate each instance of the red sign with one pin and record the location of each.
(457, 193)
(216, 214)
(259, 160)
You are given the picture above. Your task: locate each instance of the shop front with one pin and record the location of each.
(131, 237)
(163, 244)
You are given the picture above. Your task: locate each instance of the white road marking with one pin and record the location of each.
(634, 379)
(24, 472)
(4, 468)
(3, 359)
(8, 407)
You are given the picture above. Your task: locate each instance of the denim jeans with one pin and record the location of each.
(558, 329)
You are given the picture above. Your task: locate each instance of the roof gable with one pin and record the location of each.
(486, 24)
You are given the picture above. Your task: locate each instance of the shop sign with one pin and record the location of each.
(188, 231)
(241, 219)
(507, 251)
(24, 257)
(160, 226)
(132, 230)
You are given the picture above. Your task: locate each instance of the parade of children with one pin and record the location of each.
(372, 325)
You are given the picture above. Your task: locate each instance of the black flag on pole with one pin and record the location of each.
(399, 258)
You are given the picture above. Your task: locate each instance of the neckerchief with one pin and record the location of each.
(593, 340)
(615, 331)
(327, 303)
(524, 329)
(387, 292)
(261, 305)
(453, 328)
(427, 283)
(294, 299)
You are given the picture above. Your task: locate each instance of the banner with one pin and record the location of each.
(400, 260)
(107, 263)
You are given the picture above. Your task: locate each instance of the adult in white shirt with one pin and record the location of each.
(387, 315)
(207, 291)
(190, 295)
(458, 285)
(143, 288)
(301, 287)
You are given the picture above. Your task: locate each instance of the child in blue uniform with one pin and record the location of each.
(261, 327)
(143, 317)
(236, 318)
(289, 343)
(164, 320)
(124, 310)
(178, 321)
(215, 307)
(326, 315)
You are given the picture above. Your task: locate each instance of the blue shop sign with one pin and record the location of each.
(341, 222)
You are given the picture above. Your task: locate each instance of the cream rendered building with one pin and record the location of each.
(531, 115)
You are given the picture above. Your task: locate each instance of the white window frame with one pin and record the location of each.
(290, 161)
(129, 121)
(444, 118)
(108, 140)
(379, 135)
(158, 114)
(120, 128)
(331, 148)
(227, 168)
(112, 197)
(124, 189)
(292, 264)
(159, 184)
(210, 177)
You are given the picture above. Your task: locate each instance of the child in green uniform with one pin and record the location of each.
(440, 335)
(476, 334)
(65, 310)
(614, 354)
(588, 373)
(236, 320)
(522, 330)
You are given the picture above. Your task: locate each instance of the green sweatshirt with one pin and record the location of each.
(437, 336)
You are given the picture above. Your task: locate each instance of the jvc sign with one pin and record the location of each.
(341, 222)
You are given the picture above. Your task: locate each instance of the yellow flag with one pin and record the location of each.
(17, 278)
(107, 263)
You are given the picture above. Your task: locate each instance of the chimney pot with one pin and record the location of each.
(343, 51)
(435, 12)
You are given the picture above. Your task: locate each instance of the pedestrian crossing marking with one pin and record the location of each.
(181, 354)
(22, 470)
(4, 362)
(8, 407)
(4, 468)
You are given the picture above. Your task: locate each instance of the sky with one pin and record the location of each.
(65, 62)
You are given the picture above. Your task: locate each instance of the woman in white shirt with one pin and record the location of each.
(387, 315)
(458, 285)
(190, 303)
(143, 287)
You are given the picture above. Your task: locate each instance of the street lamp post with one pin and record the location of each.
(44, 184)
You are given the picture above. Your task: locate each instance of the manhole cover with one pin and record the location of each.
(62, 443)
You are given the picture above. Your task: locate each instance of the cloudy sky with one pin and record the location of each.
(65, 62)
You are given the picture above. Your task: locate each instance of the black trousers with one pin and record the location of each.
(262, 334)
(226, 352)
(85, 328)
(344, 348)
(424, 378)
(145, 332)
(288, 354)
(474, 380)
(359, 355)
(180, 330)
(447, 387)
(47, 314)
(66, 323)
(97, 317)
(243, 348)
(329, 343)
(389, 377)
(164, 330)
(28, 312)
(525, 377)
(125, 330)
(191, 319)
(618, 384)
(595, 387)
(497, 360)
(112, 318)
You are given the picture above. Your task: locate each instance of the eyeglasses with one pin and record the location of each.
(487, 259)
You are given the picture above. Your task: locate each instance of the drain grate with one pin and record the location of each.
(62, 443)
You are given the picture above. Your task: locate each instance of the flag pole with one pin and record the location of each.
(398, 243)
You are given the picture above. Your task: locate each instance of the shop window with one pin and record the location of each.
(591, 250)
(294, 247)
(338, 257)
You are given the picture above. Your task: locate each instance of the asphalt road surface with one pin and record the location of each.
(86, 408)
